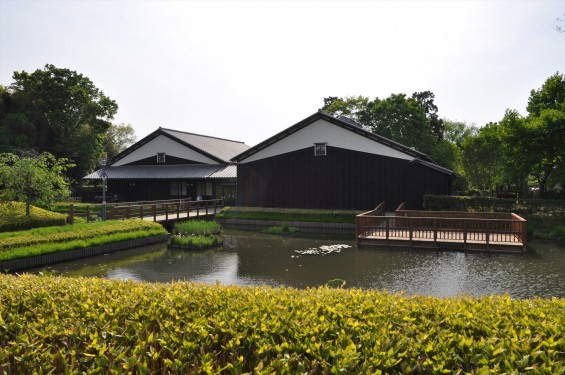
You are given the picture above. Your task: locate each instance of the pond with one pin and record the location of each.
(252, 258)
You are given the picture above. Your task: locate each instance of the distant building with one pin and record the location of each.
(332, 163)
(170, 164)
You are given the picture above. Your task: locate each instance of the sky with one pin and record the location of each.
(246, 70)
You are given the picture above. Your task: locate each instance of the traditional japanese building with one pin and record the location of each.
(333, 163)
(170, 164)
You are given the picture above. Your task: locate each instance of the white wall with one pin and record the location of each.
(322, 131)
(166, 145)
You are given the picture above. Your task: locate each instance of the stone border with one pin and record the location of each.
(304, 226)
(63, 256)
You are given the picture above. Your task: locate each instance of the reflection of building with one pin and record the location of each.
(328, 162)
(170, 164)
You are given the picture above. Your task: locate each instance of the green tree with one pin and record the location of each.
(69, 113)
(482, 158)
(118, 138)
(33, 179)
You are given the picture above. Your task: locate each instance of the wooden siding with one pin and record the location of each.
(343, 179)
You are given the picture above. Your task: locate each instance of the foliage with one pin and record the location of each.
(288, 214)
(282, 229)
(59, 111)
(13, 217)
(196, 234)
(197, 228)
(33, 179)
(15, 245)
(64, 325)
(117, 139)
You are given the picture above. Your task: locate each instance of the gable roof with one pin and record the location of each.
(218, 149)
(345, 123)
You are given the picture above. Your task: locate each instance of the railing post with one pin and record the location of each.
(141, 211)
(435, 230)
(464, 233)
(387, 229)
(178, 209)
(197, 209)
(154, 212)
(206, 205)
(166, 211)
(410, 229)
(128, 212)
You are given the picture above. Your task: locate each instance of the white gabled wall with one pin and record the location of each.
(166, 145)
(335, 136)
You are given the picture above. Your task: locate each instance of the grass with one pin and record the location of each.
(39, 241)
(196, 234)
(89, 325)
(288, 214)
(13, 217)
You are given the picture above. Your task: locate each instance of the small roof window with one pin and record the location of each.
(160, 157)
(320, 149)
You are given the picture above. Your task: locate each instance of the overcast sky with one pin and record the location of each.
(247, 70)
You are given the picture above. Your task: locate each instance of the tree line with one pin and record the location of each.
(61, 112)
(515, 154)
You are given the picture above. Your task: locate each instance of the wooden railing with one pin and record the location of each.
(371, 218)
(444, 226)
(162, 210)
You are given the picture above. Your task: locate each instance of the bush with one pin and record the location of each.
(197, 228)
(63, 325)
(13, 217)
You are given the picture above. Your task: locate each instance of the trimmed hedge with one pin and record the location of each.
(13, 217)
(288, 214)
(39, 241)
(65, 325)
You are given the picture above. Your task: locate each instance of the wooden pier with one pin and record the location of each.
(448, 230)
(159, 211)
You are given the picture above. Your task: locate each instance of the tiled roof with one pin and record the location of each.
(179, 171)
(223, 149)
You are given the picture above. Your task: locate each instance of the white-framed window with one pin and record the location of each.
(160, 157)
(320, 149)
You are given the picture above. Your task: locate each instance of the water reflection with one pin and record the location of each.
(250, 258)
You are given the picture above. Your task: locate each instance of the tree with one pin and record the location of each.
(69, 113)
(33, 179)
(118, 138)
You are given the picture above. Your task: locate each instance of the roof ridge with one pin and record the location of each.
(201, 135)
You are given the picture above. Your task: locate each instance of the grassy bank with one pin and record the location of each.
(63, 325)
(39, 241)
(288, 214)
(196, 234)
(13, 217)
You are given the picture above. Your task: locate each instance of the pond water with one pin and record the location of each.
(252, 258)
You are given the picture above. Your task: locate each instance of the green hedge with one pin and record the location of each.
(39, 241)
(13, 217)
(525, 207)
(288, 214)
(64, 325)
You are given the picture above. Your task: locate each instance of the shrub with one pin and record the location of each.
(197, 228)
(13, 217)
(64, 325)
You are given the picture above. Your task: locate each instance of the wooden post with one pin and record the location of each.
(387, 229)
(178, 209)
(435, 230)
(464, 233)
(154, 212)
(166, 211)
(141, 211)
(410, 229)
(128, 211)
(206, 205)
(197, 209)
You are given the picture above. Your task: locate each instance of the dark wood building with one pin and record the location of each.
(171, 164)
(333, 163)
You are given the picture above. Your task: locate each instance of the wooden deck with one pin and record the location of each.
(447, 230)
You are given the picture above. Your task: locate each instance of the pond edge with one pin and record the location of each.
(63, 256)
